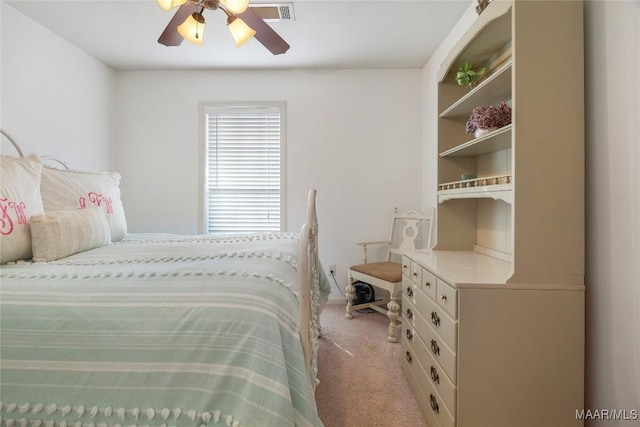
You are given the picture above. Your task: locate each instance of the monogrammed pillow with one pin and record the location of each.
(19, 200)
(69, 189)
(58, 234)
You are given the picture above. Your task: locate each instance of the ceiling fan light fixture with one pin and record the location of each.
(167, 5)
(240, 31)
(235, 7)
(192, 29)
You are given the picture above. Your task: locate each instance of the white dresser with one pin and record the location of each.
(493, 317)
(480, 352)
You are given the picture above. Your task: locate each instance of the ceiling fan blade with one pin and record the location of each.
(264, 33)
(170, 35)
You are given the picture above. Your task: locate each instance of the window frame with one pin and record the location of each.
(202, 186)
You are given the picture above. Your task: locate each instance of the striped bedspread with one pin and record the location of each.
(157, 331)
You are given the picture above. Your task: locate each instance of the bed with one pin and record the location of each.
(162, 330)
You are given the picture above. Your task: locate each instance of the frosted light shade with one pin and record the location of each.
(235, 6)
(192, 29)
(167, 5)
(240, 31)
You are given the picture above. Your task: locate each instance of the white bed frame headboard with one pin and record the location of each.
(13, 142)
(51, 160)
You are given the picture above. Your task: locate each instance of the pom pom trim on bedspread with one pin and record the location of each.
(176, 259)
(139, 416)
(211, 238)
(74, 276)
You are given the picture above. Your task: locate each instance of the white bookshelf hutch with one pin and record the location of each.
(493, 316)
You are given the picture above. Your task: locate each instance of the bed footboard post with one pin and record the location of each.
(309, 287)
(304, 295)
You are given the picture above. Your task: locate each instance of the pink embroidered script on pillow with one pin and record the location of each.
(98, 200)
(6, 223)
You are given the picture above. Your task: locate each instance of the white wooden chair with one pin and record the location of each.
(409, 230)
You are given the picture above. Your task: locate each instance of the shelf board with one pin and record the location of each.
(495, 141)
(502, 192)
(496, 87)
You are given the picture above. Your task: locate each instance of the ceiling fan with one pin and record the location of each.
(188, 23)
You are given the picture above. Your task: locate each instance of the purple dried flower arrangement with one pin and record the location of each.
(488, 116)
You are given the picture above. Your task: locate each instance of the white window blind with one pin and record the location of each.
(243, 169)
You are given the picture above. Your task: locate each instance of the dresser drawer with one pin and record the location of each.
(437, 405)
(410, 370)
(406, 266)
(430, 402)
(416, 273)
(432, 342)
(409, 311)
(447, 298)
(410, 290)
(439, 379)
(442, 323)
(436, 346)
(428, 283)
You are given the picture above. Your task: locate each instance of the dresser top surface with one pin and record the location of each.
(463, 267)
(469, 269)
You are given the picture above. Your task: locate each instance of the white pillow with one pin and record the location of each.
(58, 234)
(19, 200)
(69, 189)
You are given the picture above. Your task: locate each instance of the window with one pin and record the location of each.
(244, 150)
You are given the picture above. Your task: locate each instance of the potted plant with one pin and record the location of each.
(468, 73)
(487, 118)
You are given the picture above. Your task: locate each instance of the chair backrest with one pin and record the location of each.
(409, 230)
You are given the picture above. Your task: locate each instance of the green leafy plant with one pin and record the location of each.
(469, 73)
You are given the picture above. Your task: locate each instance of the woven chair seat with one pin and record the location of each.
(385, 270)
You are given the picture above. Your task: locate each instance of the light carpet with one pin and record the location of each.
(361, 383)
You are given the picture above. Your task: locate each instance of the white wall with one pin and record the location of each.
(612, 52)
(56, 99)
(352, 135)
(612, 91)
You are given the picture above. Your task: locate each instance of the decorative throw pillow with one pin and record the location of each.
(19, 200)
(69, 189)
(58, 234)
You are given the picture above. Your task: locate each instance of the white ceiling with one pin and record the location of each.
(325, 34)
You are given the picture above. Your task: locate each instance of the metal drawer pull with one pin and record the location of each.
(434, 403)
(434, 375)
(404, 267)
(415, 274)
(427, 284)
(435, 319)
(409, 335)
(435, 349)
(409, 314)
(409, 291)
(409, 358)
(443, 297)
